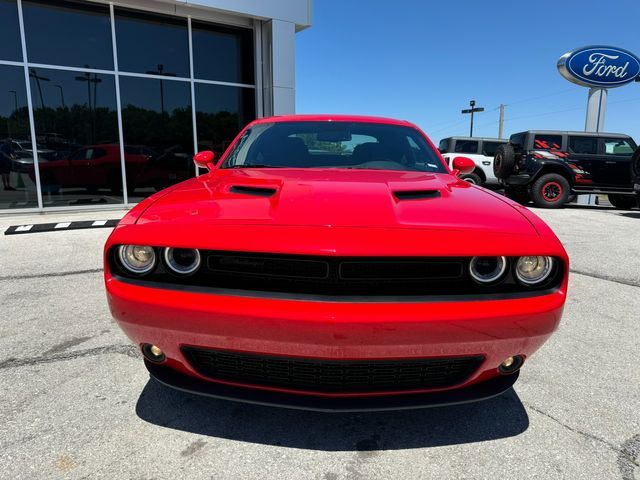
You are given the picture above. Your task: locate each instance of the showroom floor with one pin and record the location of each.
(76, 401)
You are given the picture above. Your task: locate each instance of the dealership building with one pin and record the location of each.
(104, 103)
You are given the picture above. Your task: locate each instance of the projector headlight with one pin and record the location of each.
(533, 270)
(182, 261)
(137, 259)
(487, 269)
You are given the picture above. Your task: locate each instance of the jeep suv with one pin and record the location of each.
(480, 150)
(548, 167)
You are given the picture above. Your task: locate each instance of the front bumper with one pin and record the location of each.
(493, 329)
(473, 393)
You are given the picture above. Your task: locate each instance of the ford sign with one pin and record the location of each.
(599, 66)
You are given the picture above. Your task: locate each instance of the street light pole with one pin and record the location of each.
(472, 110)
(39, 78)
(61, 94)
(95, 80)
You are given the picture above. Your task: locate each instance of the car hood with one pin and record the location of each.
(337, 198)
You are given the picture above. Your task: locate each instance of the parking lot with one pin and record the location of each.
(77, 402)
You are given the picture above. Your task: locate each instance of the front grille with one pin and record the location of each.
(330, 275)
(321, 375)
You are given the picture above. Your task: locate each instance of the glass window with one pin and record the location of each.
(68, 33)
(223, 54)
(75, 114)
(444, 145)
(489, 148)
(152, 44)
(371, 146)
(221, 112)
(547, 142)
(618, 146)
(17, 185)
(158, 133)
(10, 48)
(466, 146)
(583, 145)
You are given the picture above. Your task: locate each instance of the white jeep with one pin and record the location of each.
(479, 149)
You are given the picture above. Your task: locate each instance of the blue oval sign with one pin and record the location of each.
(599, 66)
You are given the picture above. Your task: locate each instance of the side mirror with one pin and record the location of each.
(463, 165)
(204, 159)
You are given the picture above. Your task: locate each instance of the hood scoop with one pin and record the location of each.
(416, 194)
(255, 191)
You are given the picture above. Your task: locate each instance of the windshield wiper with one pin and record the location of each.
(257, 165)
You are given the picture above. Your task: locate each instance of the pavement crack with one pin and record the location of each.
(607, 278)
(628, 457)
(625, 452)
(52, 274)
(128, 350)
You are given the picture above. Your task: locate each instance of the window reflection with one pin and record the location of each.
(222, 54)
(10, 48)
(152, 44)
(221, 112)
(17, 188)
(77, 127)
(158, 134)
(68, 33)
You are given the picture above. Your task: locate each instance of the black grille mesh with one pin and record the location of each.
(331, 375)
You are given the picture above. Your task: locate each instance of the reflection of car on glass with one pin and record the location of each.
(23, 155)
(479, 149)
(549, 166)
(335, 262)
(98, 167)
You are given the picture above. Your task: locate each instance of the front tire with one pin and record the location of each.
(472, 178)
(623, 202)
(550, 191)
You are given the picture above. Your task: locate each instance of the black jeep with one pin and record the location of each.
(548, 167)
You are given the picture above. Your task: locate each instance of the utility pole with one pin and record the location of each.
(472, 110)
(501, 123)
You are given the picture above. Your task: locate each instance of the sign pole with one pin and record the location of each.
(472, 110)
(596, 106)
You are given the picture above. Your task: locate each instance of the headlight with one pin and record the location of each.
(533, 270)
(487, 269)
(137, 259)
(182, 261)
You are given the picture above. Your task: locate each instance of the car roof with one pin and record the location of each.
(484, 139)
(569, 132)
(334, 118)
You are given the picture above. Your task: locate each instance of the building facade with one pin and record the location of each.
(104, 103)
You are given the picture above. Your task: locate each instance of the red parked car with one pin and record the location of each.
(335, 263)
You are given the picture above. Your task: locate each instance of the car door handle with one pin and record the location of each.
(608, 162)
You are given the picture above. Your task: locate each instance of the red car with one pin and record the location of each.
(335, 263)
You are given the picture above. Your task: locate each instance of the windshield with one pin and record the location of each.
(360, 145)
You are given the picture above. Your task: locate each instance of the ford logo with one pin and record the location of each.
(599, 66)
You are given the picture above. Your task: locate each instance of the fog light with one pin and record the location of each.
(511, 364)
(153, 353)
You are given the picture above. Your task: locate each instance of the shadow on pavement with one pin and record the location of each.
(630, 214)
(499, 417)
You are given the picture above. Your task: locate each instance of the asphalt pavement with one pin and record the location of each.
(76, 401)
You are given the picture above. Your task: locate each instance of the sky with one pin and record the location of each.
(423, 61)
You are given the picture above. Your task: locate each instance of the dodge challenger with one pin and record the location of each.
(334, 263)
